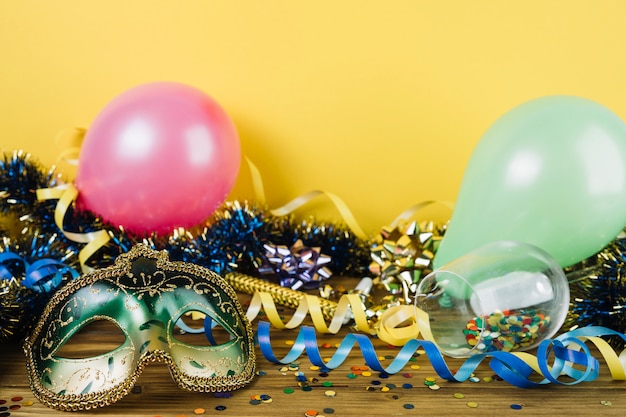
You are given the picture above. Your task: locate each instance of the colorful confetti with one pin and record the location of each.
(505, 330)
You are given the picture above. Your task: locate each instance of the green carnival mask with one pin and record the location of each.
(144, 294)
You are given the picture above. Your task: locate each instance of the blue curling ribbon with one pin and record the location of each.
(509, 366)
(4, 257)
(43, 275)
(207, 329)
(567, 356)
(188, 329)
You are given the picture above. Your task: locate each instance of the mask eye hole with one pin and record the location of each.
(96, 338)
(197, 329)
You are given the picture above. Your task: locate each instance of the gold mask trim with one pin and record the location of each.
(144, 294)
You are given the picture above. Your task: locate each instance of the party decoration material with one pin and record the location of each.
(349, 306)
(344, 237)
(508, 280)
(157, 157)
(349, 252)
(599, 291)
(19, 306)
(42, 276)
(93, 240)
(296, 267)
(395, 325)
(550, 172)
(21, 176)
(232, 238)
(505, 330)
(145, 295)
(266, 295)
(32, 269)
(339, 204)
(558, 361)
(278, 294)
(24, 289)
(401, 255)
(27, 194)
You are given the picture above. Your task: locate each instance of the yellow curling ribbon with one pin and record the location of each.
(616, 363)
(529, 359)
(410, 212)
(67, 194)
(397, 325)
(257, 181)
(265, 296)
(70, 140)
(310, 307)
(304, 199)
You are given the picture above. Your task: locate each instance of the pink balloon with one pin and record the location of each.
(159, 156)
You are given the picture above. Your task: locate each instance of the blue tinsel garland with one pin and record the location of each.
(231, 239)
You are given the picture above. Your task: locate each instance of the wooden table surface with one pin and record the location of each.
(156, 394)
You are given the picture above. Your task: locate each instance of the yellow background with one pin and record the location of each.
(380, 102)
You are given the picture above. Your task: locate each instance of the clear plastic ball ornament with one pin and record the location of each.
(503, 296)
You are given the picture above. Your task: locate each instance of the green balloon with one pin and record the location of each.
(550, 172)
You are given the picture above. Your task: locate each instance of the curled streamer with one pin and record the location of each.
(42, 276)
(519, 369)
(66, 195)
(266, 295)
(28, 280)
(395, 326)
(349, 307)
